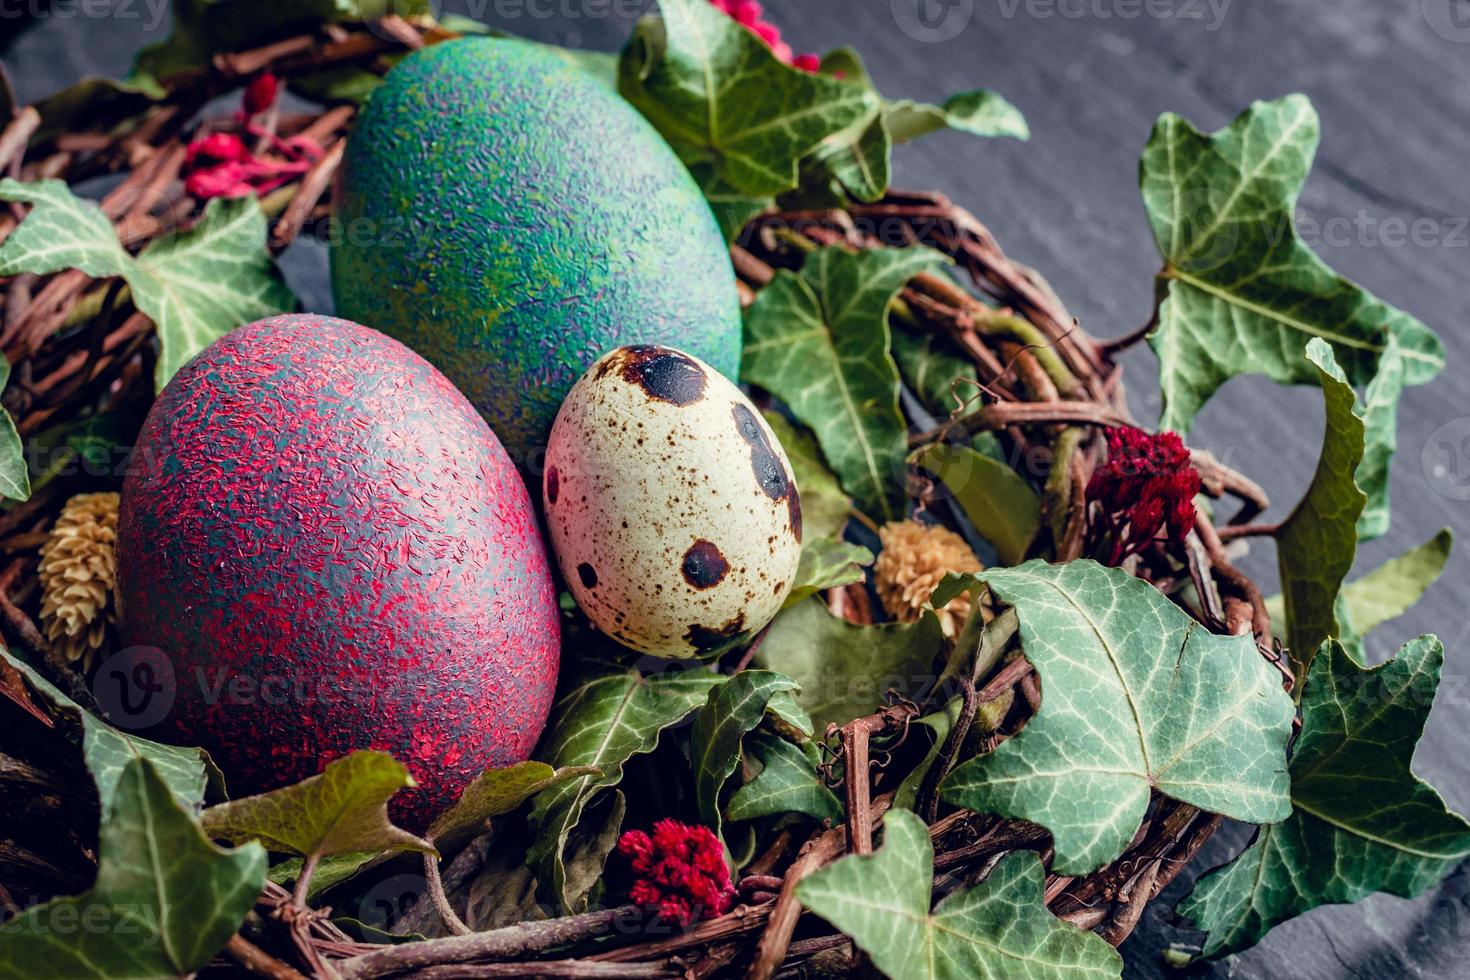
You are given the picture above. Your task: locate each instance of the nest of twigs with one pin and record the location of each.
(78, 349)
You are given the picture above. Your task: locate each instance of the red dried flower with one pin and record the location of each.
(214, 149)
(260, 94)
(748, 13)
(681, 871)
(221, 165)
(1146, 486)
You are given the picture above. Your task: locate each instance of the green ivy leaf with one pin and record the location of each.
(164, 902)
(936, 377)
(607, 715)
(1380, 413)
(330, 871)
(1240, 293)
(998, 929)
(494, 793)
(734, 709)
(856, 161)
(995, 498)
(1137, 696)
(1315, 546)
(97, 98)
(107, 751)
(722, 99)
(825, 564)
(819, 342)
(979, 113)
(824, 506)
(1385, 593)
(787, 783)
(843, 669)
(1361, 822)
(15, 474)
(342, 809)
(195, 286)
(1389, 590)
(939, 724)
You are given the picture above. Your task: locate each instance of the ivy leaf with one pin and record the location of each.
(722, 99)
(96, 98)
(936, 376)
(998, 929)
(1240, 293)
(164, 902)
(342, 809)
(979, 113)
(1136, 696)
(1380, 413)
(1361, 822)
(199, 285)
(995, 498)
(329, 871)
(608, 715)
(1389, 590)
(195, 286)
(857, 159)
(843, 670)
(939, 723)
(819, 342)
(824, 506)
(825, 564)
(15, 474)
(733, 709)
(494, 793)
(1315, 546)
(1385, 593)
(107, 751)
(787, 783)
(732, 208)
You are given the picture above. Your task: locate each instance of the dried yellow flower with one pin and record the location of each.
(915, 558)
(78, 573)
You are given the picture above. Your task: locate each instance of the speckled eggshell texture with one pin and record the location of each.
(511, 219)
(334, 553)
(671, 505)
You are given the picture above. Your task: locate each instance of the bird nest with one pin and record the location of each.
(78, 350)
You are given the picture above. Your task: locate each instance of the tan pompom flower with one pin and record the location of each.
(915, 558)
(78, 572)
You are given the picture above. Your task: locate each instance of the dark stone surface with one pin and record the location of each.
(1391, 79)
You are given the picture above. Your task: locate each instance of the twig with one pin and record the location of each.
(508, 943)
(258, 961)
(447, 915)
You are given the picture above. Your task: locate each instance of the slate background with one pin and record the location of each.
(1391, 80)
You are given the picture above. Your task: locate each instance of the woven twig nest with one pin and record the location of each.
(1045, 388)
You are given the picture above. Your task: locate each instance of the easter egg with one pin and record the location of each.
(510, 218)
(331, 551)
(671, 506)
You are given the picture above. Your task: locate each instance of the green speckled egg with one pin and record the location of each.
(512, 220)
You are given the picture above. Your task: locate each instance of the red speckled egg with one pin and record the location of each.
(334, 552)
